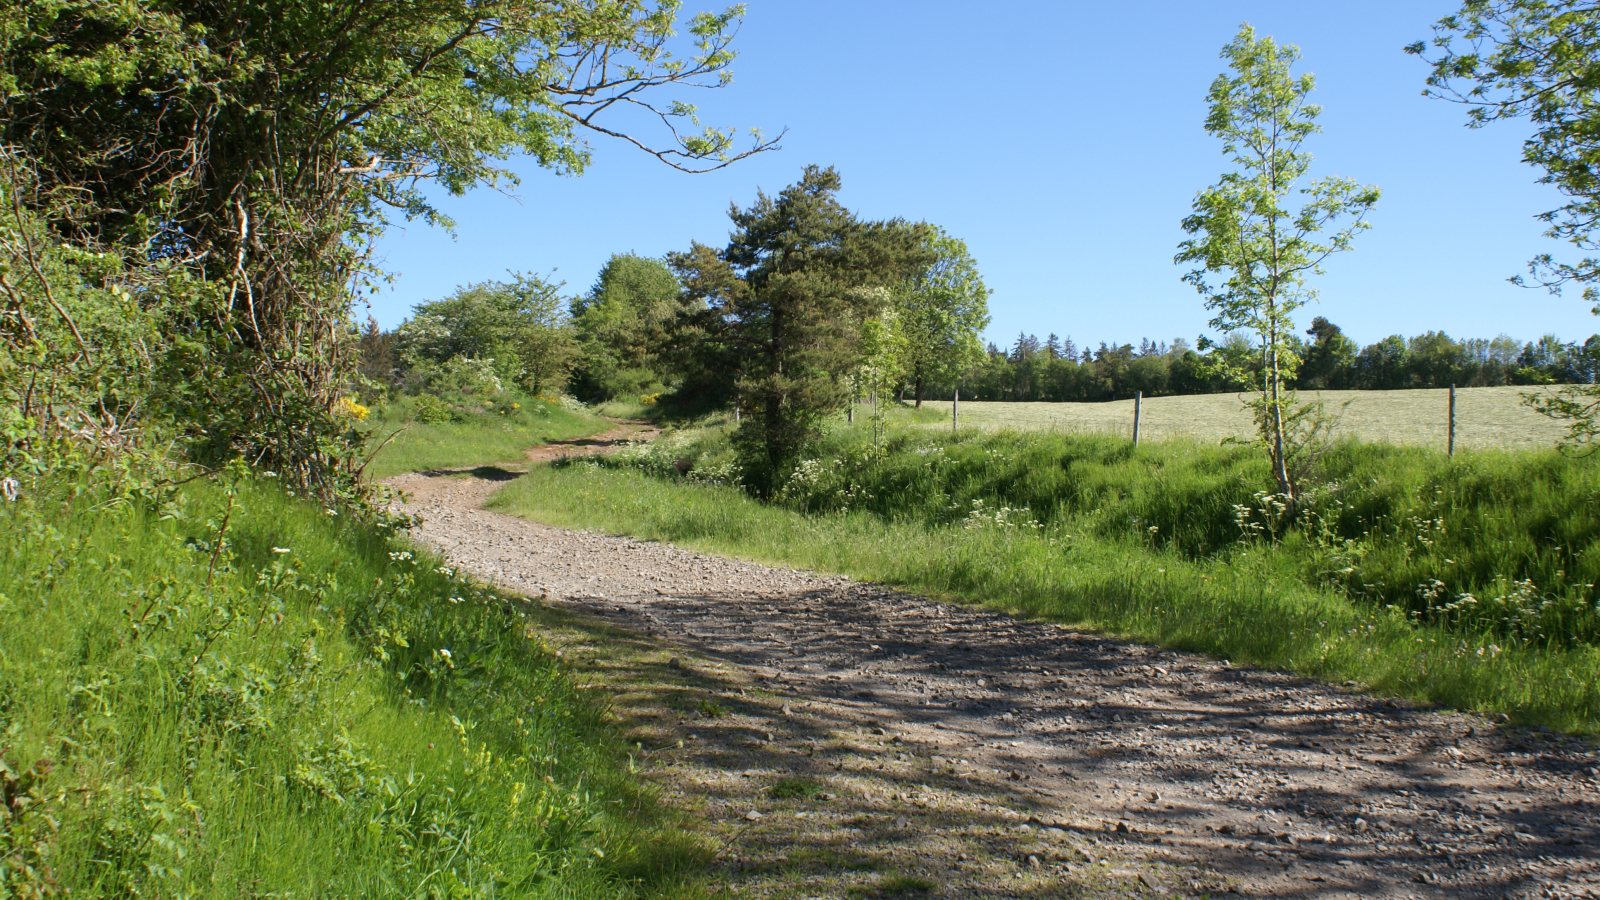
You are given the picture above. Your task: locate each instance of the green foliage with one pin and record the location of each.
(1539, 59)
(239, 162)
(883, 353)
(1173, 544)
(1330, 355)
(785, 302)
(74, 341)
(795, 789)
(489, 335)
(1246, 229)
(1386, 526)
(625, 326)
(940, 311)
(238, 693)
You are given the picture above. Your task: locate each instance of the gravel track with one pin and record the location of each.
(1005, 757)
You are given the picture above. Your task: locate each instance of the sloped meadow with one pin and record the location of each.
(227, 691)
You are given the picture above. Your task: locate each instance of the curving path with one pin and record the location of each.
(843, 739)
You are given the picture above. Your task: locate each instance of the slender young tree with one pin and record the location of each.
(1264, 227)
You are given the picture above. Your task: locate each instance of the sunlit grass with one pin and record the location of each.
(1251, 605)
(484, 433)
(311, 709)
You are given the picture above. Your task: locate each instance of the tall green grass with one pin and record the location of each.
(242, 694)
(470, 431)
(1467, 582)
(1492, 542)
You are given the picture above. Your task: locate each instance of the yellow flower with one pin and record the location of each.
(347, 406)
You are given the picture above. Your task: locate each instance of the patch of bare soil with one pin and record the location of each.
(845, 740)
(627, 431)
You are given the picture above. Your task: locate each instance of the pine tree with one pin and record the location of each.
(786, 300)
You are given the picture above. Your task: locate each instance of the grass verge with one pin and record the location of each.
(461, 432)
(241, 694)
(1250, 605)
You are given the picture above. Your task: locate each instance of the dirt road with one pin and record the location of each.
(843, 739)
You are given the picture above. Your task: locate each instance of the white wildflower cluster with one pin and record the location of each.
(983, 516)
(1266, 516)
(805, 477)
(725, 473)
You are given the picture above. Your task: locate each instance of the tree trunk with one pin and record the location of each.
(919, 388)
(1280, 466)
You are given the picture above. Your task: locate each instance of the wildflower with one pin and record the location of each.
(281, 550)
(347, 406)
(444, 653)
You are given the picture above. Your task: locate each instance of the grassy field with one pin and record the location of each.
(1486, 418)
(1467, 582)
(479, 432)
(238, 694)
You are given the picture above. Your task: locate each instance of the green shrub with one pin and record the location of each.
(430, 410)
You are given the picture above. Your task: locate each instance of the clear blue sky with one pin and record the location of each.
(1063, 142)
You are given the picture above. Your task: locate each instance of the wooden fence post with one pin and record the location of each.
(1451, 451)
(1138, 400)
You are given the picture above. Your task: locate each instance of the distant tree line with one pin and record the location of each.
(1057, 370)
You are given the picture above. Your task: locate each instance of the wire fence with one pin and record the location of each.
(1486, 418)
